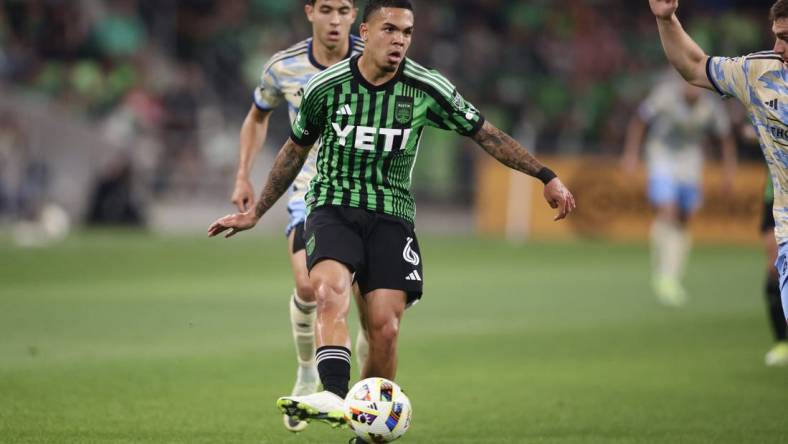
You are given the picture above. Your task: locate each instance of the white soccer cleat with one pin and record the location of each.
(294, 424)
(306, 383)
(321, 406)
(778, 355)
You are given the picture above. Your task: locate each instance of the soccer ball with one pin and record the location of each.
(377, 410)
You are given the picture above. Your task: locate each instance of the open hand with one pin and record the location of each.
(234, 222)
(558, 196)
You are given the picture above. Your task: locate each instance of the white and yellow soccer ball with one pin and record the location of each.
(377, 410)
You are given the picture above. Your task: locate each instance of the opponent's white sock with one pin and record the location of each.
(659, 235)
(677, 247)
(302, 321)
(670, 244)
(362, 349)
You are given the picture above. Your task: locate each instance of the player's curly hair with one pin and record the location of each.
(374, 5)
(779, 10)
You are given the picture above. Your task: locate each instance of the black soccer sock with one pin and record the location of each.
(775, 306)
(333, 364)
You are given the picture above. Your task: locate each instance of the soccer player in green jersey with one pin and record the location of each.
(758, 81)
(369, 112)
(283, 80)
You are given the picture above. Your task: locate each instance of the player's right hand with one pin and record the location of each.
(558, 196)
(233, 222)
(243, 195)
(664, 9)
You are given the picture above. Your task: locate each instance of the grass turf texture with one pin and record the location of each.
(127, 338)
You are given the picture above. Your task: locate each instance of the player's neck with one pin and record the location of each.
(372, 73)
(328, 56)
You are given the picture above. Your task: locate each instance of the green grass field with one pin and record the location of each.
(128, 338)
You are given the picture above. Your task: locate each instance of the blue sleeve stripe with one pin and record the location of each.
(711, 77)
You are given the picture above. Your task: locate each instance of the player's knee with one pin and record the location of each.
(328, 293)
(304, 289)
(384, 332)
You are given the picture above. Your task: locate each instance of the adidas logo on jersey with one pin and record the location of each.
(414, 276)
(773, 104)
(344, 111)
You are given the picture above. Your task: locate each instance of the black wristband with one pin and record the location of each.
(545, 175)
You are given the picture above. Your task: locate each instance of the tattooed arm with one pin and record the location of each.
(510, 153)
(287, 164)
(284, 171)
(504, 148)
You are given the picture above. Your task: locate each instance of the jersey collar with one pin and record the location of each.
(317, 64)
(360, 79)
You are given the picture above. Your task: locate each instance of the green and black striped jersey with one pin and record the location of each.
(371, 134)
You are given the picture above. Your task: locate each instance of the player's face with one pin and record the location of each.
(780, 29)
(331, 21)
(387, 34)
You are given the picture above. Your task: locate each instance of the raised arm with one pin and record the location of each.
(285, 169)
(683, 53)
(510, 153)
(253, 133)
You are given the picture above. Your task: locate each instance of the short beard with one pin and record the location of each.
(389, 68)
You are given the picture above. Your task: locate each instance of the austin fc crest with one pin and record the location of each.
(403, 110)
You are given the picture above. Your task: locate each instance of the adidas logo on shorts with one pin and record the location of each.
(414, 276)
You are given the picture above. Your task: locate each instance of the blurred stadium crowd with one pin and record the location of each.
(166, 83)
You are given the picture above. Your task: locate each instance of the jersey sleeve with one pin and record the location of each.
(450, 111)
(268, 94)
(729, 77)
(306, 127)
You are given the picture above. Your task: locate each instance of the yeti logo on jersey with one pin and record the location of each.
(409, 255)
(365, 136)
(403, 109)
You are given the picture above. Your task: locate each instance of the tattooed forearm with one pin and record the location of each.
(510, 153)
(285, 169)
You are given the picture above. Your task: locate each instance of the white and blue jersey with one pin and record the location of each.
(283, 79)
(759, 82)
(674, 152)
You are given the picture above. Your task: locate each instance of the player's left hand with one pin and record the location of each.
(234, 222)
(558, 196)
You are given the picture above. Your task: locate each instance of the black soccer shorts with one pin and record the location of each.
(298, 238)
(767, 216)
(381, 250)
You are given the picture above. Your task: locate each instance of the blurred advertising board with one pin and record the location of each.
(611, 204)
